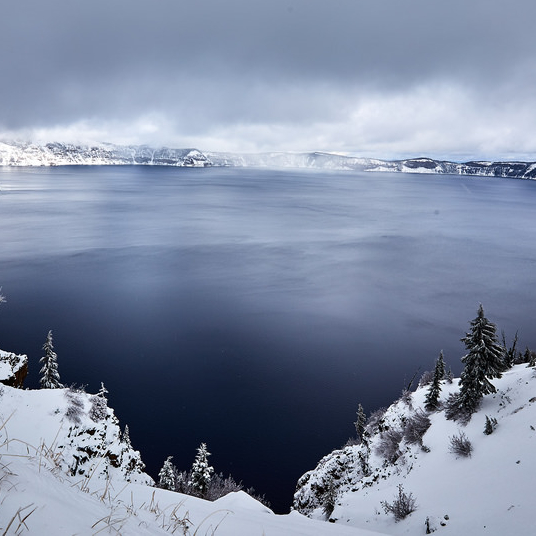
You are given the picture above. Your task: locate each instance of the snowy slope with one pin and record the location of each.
(488, 493)
(66, 468)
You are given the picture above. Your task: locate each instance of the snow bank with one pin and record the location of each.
(489, 493)
(66, 468)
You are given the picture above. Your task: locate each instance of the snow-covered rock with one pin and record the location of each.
(77, 429)
(13, 368)
(488, 493)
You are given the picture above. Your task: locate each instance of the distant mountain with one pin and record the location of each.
(330, 161)
(62, 154)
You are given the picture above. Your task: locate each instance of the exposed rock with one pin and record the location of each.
(13, 369)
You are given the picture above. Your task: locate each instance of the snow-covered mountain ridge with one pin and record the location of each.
(62, 154)
(488, 493)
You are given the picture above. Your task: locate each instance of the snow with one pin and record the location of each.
(489, 493)
(10, 364)
(45, 491)
(48, 488)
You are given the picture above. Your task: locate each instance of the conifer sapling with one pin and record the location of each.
(432, 396)
(360, 422)
(166, 476)
(50, 378)
(201, 471)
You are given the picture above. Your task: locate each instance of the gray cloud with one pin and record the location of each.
(381, 76)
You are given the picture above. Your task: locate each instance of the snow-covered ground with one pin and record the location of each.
(488, 493)
(67, 468)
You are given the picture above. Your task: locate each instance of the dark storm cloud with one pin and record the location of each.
(300, 70)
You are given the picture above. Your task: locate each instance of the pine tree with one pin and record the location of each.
(102, 391)
(126, 437)
(510, 354)
(166, 476)
(329, 498)
(2, 297)
(484, 361)
(432, 396)
(360, 422)
(50, 378)
(201, 472)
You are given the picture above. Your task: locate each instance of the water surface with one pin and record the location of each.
(254, 310)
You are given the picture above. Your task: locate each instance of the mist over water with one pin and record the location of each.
(254, 310)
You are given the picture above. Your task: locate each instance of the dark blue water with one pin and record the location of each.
(254, 310)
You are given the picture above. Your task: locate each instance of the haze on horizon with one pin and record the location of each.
(379, 78)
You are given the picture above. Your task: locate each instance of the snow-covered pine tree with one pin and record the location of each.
(484, 361)
(126, 437)
(201, 471)
(166, 476)
(50, 378)
(2, 297)
(432, 396)
(360, 422)
(102, 391)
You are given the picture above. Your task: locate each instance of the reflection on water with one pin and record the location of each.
(254, 310)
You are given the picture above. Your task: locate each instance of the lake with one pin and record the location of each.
(254, 309)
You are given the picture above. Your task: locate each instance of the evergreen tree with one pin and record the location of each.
(166, 476)
(2, 297)
(50, 378)
(360, 422)
(201, 472)
(510, 354)
(126, 437)
(484, 361)
(432, 396)
(102, 391)
(329, 498)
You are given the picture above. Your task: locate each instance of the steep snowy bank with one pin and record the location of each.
(66, 468)
(487, 493)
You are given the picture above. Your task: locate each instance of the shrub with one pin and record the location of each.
(491, 424)
(388, 445)
(75, 409)
(426, 378)
(375, 421)
(99, 408)
(456, 411)
(363, 458)
(403, 505)
(218, 486)
(352, 441)
(416, 426)
(406, 398)
(460, 445)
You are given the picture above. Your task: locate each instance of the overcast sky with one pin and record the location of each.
(382, 78)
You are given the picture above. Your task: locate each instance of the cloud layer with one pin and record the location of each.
(376, 78)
